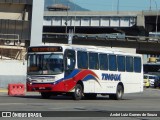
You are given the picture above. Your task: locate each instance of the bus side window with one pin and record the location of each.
(121, 63)
(82, 58)
(103, 61)
(112, 63)
(70, 59)
(129, 64)
(93, 61)
(137, 64)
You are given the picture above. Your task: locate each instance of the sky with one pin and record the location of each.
(111, 5)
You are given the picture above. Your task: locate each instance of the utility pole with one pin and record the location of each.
(156, 16)
(118, 7)
(150, 6)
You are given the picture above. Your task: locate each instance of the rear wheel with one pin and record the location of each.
(119, 93)
(78, 93)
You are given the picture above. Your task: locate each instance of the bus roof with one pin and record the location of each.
(88, 48)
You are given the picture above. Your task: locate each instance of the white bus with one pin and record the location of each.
(83, 71)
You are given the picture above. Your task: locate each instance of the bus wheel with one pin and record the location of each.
(119, 93)
(45, 95)
(77, 95)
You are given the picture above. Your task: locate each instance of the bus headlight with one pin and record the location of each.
(29, 81)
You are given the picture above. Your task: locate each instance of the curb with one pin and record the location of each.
(3, 90)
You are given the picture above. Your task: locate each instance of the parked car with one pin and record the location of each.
(146, 82)
(157, 82)
(151, 79)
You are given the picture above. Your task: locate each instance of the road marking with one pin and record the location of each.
(11, 103)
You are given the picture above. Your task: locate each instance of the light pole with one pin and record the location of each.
(66, 23)
(150, 6)
(156, 15)
(118, 7)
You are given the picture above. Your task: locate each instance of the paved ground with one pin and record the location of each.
(147, 101)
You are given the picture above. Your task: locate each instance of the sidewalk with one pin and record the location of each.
(3, 90)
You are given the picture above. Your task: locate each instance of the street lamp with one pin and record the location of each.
(118, 7)
(66, 23)
(150, 6)
(156, 15)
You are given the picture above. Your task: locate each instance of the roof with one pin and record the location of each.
(57, 7)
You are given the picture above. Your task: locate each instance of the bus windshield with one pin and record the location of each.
(45, 64)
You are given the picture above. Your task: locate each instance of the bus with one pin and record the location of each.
(83, 71)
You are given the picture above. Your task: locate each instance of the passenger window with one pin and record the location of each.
(121, 63)
(93, 61)
(103, 61)
(137, 64)
(112, 63)
(82, 60)
(129, 64)
(70, 59)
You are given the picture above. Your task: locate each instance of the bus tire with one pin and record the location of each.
(119, 93)
(45, 95)
(78, 93)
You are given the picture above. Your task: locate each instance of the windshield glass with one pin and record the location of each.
(45, 64)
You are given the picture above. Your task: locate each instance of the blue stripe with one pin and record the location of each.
(88, 77)
(74, 73)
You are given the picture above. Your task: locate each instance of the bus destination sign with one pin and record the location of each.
(45, 49)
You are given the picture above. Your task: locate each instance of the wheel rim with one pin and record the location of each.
(119, 93)
(78, 92)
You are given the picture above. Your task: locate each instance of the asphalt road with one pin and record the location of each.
(149, 100)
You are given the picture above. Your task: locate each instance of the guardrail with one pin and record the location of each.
(9, 39)
(104, 37)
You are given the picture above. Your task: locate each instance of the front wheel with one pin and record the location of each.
(78, 93)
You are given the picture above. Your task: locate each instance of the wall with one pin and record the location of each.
(12, 71)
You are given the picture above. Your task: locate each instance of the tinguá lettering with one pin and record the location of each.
(112, 77)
